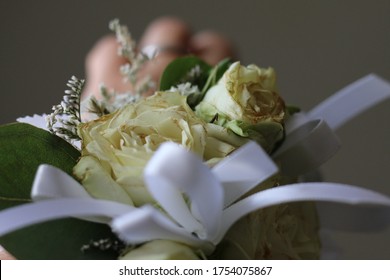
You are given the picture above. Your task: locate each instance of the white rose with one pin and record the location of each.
(288, 231)
(161, 250)
(245, 100)
(117, 147)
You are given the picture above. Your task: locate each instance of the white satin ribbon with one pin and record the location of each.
(186, 177)
(310, 138)
(351, 101)
(15, 218)
(243, 171)
(52, 183)
(321, 192)
(49, 183)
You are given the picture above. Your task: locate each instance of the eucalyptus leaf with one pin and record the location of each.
(178, 71)
(22, 149)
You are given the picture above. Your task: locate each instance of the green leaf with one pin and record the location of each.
(292, 109)
(177, 72)
(217, 73)
(222, 66)
(22, 149)
(59, 240)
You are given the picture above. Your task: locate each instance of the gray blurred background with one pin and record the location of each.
(316, 47)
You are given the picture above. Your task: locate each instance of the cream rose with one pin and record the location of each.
(161, 250)
(245, 100)
(117, 147)
(288, 231)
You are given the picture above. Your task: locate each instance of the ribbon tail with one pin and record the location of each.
(25, 215)
(321, 192)
(351, 101)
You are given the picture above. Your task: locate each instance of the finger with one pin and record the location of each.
(102, 66)
(212, 47)
(166, 31)
(173, 36)
(4, 255)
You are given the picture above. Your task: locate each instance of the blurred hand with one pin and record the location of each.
(4, 255)
(103, 62)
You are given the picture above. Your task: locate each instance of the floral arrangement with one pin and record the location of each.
(213, 165)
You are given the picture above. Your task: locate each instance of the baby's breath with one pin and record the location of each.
(135, 59)
(94, 106)
(194, 73)
(109, 102)
(185, 89)
(127, 46)
(103, 245)
(66, 116)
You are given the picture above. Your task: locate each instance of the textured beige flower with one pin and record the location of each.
(283, 232)
(117, 147)
(287, 231)
(161, 250)
(246, 101)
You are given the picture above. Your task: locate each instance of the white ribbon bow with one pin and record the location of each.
(211, 202)
(203, 220)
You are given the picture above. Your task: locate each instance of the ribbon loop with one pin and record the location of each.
(243, 170)
(351, 101)
(51, 182)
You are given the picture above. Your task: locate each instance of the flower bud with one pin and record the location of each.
(245, 100)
